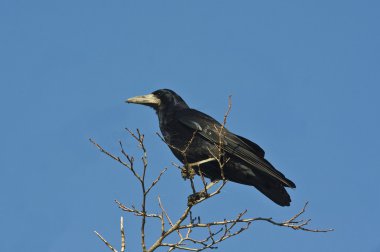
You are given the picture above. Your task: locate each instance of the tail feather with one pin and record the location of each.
(276, 192)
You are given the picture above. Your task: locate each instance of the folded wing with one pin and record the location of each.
(234, 145)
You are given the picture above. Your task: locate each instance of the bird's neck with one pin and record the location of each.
(166, 116)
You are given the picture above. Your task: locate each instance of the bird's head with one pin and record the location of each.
(160, 99)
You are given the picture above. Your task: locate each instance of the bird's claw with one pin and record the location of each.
(187, 172)
(195, 197)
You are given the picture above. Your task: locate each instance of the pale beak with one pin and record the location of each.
(149, 99)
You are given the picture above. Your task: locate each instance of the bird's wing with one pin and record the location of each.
(250, 145)
(234, 145)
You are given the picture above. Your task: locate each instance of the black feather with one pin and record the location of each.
(246, 164)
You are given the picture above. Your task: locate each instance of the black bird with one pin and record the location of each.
(187, 129)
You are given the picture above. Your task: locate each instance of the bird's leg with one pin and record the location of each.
(201, 194)
(193, 198)
(212, 183)
(196, 196)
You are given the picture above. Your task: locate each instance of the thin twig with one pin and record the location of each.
(167, 217)
(156, 180)
(105, 242)
(123, 243)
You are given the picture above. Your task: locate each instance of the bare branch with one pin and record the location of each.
(291, 223)
(110, 155)
(156, 180)
(105, 242)
(123, 243)
(167, 217)
(228, 110)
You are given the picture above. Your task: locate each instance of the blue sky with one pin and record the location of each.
(304, 78)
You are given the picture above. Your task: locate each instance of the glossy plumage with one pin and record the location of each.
(181, 125)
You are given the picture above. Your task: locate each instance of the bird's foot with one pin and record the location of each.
(195, 197)
(188, 172)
